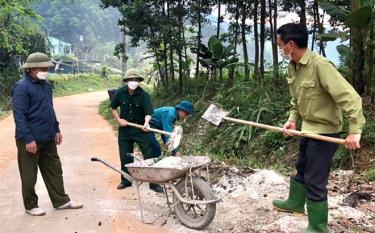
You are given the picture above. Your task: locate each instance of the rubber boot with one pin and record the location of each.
(318, 217)
(296, 200)
(156, 187)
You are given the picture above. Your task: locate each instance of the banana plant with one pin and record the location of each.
(216, 56)
(359, 18)
(357, 24)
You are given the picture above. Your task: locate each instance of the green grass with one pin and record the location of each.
(64, 85)
(370, 175)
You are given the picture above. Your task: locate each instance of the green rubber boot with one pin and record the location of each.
(296, 200)
(318, 217)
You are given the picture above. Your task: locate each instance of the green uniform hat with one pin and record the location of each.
(131, 74)
(37, 60)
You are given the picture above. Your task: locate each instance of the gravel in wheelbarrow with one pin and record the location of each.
(167, 169)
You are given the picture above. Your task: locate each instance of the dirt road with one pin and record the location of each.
(85, 134)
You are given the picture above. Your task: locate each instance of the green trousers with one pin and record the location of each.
(49, 165)
(127, 138)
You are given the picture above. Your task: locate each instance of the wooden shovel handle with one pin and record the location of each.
(294, 132)
(149, 129)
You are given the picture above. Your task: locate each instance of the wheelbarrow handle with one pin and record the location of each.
(149, 129)
(294, 132)
(124, 174)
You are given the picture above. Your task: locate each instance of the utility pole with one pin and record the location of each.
(123, 57)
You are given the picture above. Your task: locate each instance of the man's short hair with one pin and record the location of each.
(294, 32)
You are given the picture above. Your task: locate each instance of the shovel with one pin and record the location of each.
(175, 136)
(215, 115)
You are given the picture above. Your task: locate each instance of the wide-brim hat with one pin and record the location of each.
(37, 60)
(132, 74)
(186, 106)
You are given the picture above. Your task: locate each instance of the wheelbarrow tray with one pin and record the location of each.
(163, 171)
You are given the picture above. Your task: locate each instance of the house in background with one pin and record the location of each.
(59, 47)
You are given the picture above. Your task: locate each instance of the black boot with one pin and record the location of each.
(124, 185)
(156, 187)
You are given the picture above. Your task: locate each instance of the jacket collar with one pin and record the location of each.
(29, 78)
(306, 57)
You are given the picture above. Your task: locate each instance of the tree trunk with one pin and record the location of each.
(256, 39)
(302, 14)
(370, 64)
(244, 45)
(165, 57)
(171, 62)
(356, 39)
(165, 51)
(237, 16)
(179, 51)
(154, 48)
(321, 31)
(187, 65)
(218, 20)
(314, 8)
(273, 24)
(199, 35)
(262, 37)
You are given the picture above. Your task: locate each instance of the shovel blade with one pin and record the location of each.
(175, 139)
(214, 114)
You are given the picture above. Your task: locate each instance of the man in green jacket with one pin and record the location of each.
(135, 106)
(320, 96)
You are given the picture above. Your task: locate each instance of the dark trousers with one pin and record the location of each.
(126, 145)
(49, 165)
(313, 166)
(156, 149)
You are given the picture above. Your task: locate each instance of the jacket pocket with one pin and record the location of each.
(307, 95)
(308, 89)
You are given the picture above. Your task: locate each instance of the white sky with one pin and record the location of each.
(283, 17)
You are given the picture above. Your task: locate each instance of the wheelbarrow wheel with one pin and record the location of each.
(195, 216)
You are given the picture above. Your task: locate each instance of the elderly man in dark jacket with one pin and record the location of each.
(37, 134)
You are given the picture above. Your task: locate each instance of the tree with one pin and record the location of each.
(67, 20)
(273, 36)
(19, 36)
(262, 37)
(358, 19)
(244, 42)
(256, 39)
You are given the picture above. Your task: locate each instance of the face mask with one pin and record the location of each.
(286, 57)
(133, 85)
(42, 75)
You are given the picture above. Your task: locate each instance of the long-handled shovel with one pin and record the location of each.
(175, 136)
(215, 115)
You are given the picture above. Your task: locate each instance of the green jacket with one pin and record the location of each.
(320, 96)
(133, 108)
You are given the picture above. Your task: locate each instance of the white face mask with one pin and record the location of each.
(133, 84)
(42, 75)
(286, 57)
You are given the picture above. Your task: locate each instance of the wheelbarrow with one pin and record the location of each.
(194, 202)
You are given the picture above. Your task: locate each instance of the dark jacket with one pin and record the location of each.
(33, 111)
